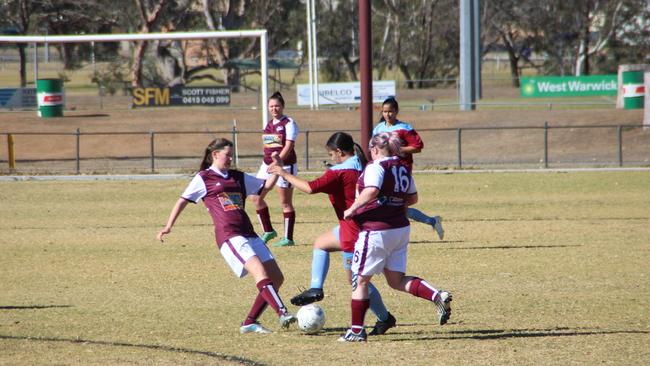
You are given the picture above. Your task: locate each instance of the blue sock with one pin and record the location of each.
(320, 264)
(376, 304)
(417, 215)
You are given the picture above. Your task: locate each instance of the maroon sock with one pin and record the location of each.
(359, 309)
(265, 219)
(259, 305)
(289, 221)
(421, 288)
(271, 296)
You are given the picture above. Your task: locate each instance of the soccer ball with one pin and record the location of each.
(311, 318)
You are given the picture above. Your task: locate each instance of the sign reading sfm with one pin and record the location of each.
(181, 96)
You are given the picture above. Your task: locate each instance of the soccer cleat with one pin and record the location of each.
(382, 326)
(284, 243)
(436, 223)
(351, 336)
(442, 300)
(287, 319)
(253, 328)
(268, 235)
(308, 297)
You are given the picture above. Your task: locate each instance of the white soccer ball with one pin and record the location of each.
(311, 318)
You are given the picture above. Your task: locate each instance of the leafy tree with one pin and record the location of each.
(17, 20)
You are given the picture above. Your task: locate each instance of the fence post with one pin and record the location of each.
(152, 134)
(307, 150)
(619, 132)
(78, 150)
(234, 142)
(460, 153)
(10, 152)
(550, 106)
(546, 145)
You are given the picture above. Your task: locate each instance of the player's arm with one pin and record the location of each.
(288, 146)
(291, 130)
(277, 171)
(368, 194)
(176, 211)
(412, 142)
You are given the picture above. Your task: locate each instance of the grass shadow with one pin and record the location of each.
(516, 247)
(31, 307)
(157, 347)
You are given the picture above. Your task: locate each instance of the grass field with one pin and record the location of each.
(546, 268)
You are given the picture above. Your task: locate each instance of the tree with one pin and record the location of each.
(17, 17)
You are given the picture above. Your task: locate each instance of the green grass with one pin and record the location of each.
(546, 268)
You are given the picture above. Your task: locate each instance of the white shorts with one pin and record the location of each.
(237, 250)
(291, 169)
(375, 251)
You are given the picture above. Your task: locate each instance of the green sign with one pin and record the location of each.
(574, 86)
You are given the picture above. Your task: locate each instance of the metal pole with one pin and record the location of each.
(460, 150)
(307, 150)
(10, 152)
(309, 55)
(619, 133)
(265, 77)
(467, 101)
(476, 49)
(365, 56)
(315, 52)
(545, 144)
(234, 139)
(152, 154)
(78, 150)
(35, 63)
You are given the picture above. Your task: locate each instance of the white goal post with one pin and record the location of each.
(162, 36)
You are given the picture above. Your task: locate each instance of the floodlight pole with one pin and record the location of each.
(315, 52)
(470, 54)
(309, 55)
(365, 56)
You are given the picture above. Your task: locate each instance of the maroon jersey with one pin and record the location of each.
(224, 195)
(276, 134)
(339, 182)
(388, 211)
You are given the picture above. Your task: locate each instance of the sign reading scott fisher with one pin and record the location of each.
(181, 96)
(574, 86)
(18, 98)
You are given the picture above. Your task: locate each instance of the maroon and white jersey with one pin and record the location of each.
(388, 211)
(276, 134)
(224, 195)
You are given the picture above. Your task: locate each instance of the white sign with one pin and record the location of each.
(346, 93)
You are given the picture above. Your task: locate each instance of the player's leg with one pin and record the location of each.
(359, 305)
(285, 192)
(327, 242)
(435, 221)
(262, 209)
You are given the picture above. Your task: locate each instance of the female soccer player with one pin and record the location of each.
(279, 136)
(339, 182)
(385, 189)
(224, 192)
(412, 144)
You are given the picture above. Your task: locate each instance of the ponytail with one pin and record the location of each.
(277, 96)
(216, 145)
(361, 155)
(389, 143)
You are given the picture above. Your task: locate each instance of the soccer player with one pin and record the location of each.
(411, 144)
(385, 189)
(224, 191)
(279, 136)
(339, 182)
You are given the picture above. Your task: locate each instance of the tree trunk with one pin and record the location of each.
(23, 65)
(514, 60)
(136, 69)
(405, 70)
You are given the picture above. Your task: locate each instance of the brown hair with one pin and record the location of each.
(216, 145)
(277, 96)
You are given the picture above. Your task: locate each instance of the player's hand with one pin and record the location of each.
(162, 232)
(275, 169)
(276, 159)
(348, 214)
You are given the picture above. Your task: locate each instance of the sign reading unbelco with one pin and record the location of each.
(181, 96)
(346, 93)
(575, 86)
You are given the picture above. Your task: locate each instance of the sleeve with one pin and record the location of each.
(373, 176)
(195, 190)
(376, 129)
(252, 184)
(292, 130)
(412, 138)
(326, 183)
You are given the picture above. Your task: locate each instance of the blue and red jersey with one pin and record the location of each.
(339, 182)
(406, 132)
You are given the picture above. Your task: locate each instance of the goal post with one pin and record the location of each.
(88, 38)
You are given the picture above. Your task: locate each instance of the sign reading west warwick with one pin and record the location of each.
(181, 96)
(574, 86)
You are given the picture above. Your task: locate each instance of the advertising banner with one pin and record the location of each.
(181, 96)
(346, 93)
(18, 98)
(573, 86)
